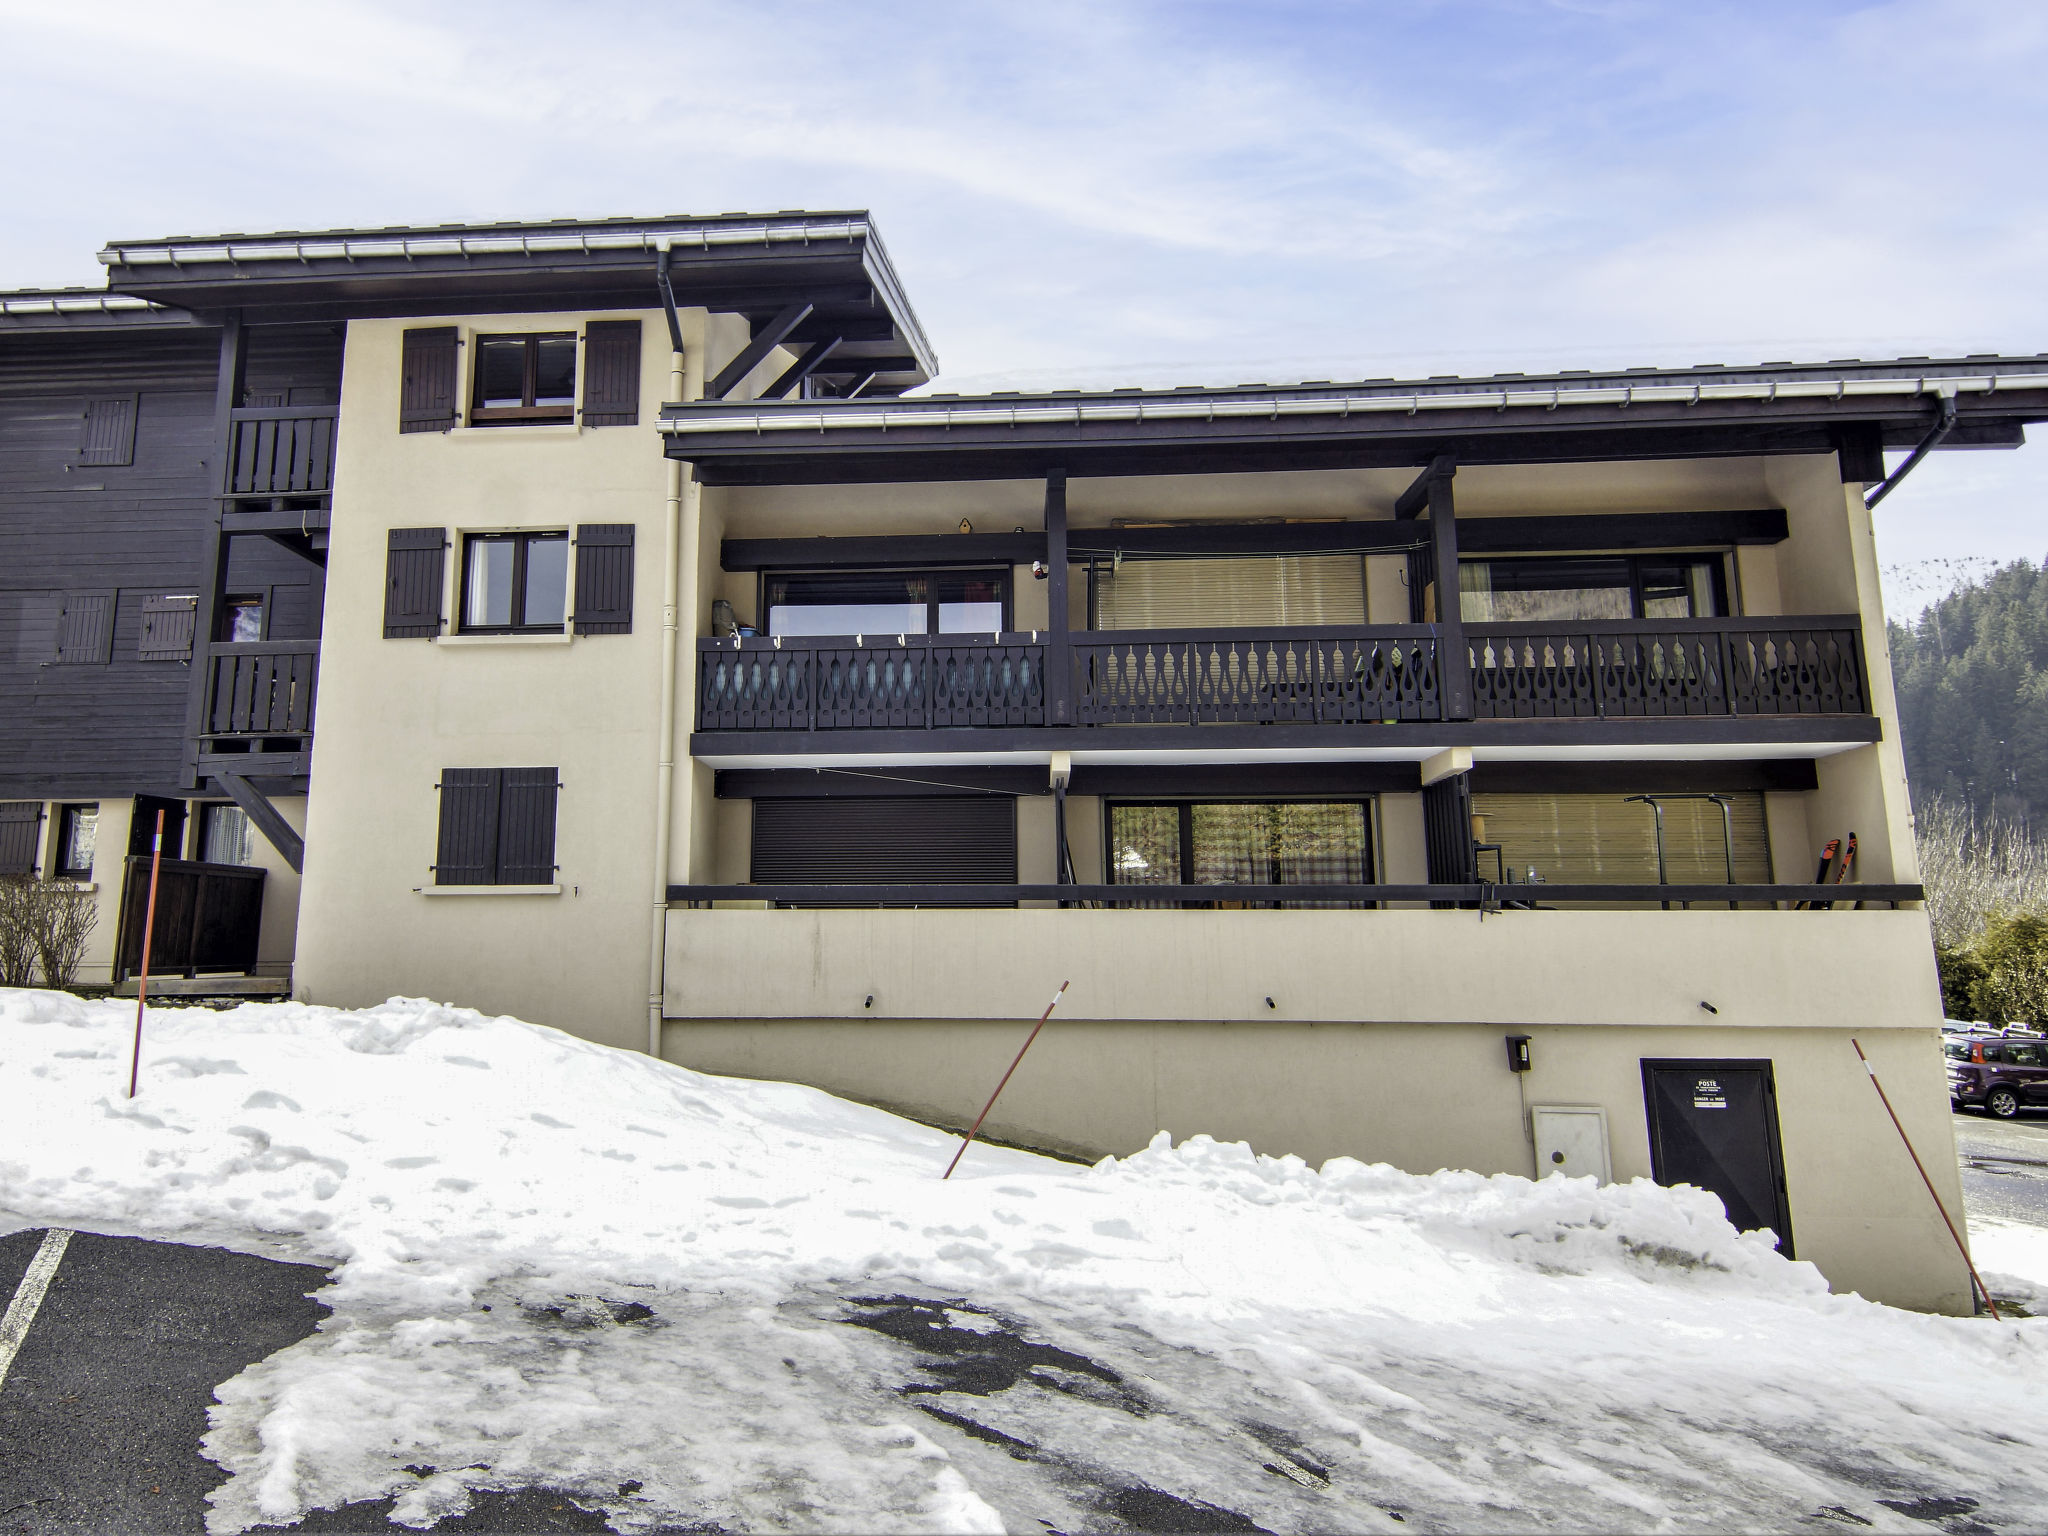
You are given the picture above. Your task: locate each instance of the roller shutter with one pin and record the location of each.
(899, 840)
(1236, 591)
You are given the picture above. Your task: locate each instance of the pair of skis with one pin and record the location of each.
(1829, 853)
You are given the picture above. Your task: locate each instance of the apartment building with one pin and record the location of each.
(1428, 771)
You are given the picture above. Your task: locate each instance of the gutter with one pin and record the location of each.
(806, 416)
(1944, 425)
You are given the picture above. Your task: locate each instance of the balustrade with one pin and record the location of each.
(910, 682)
(261, 688)
(281, 451)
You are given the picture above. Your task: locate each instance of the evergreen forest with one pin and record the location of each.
(1972, 681)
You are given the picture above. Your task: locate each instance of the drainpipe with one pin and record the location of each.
(1942, 427)
(665, 776)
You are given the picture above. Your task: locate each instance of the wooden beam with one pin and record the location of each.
(766, 340)
(802, 368)
(1411, 501)
(267, 818)
(1059, 670)
(882, 552)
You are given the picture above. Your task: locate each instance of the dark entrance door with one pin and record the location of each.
(1715, 1124)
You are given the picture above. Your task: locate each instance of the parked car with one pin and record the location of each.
(1998, 1073)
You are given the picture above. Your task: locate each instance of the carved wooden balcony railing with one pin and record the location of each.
(281, 451)
(851, 683)
(1336, 676)
(1330, 675)
(1664, 667)
(260, 689)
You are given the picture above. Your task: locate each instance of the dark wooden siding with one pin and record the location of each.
(135, 530)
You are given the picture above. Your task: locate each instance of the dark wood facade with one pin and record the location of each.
(104, 535)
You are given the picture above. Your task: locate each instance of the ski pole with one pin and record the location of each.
(975, 1129)
(1921, 1167)
(156, 859)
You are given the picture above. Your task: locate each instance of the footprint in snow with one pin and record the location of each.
(549, 1120)
(263, 1098)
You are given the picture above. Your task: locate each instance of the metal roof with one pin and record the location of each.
(81, 308)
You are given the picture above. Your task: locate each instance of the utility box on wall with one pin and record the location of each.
(1572, 1140)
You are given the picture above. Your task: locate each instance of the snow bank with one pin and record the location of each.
(565, 1265)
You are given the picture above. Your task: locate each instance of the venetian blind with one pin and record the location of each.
(1231, 592)
(1609, 840)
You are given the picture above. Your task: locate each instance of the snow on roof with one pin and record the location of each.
(687, 1300)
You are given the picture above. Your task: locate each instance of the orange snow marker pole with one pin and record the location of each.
(975, 1130)
(1983, 1289)
(156, 859)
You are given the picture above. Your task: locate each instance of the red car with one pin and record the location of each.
(1999, 1074)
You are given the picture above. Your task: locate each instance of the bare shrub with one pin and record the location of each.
(1974, 867)
(17, 931)
(64, 917)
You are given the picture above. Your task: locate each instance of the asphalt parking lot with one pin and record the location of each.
(104, 1403)
(2004, 1165)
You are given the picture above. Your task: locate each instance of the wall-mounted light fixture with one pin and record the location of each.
(1518, 1053)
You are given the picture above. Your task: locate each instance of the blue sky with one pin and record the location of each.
(1126, 192)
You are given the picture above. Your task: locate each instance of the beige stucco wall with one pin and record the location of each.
(394, 713)
(1419, 1096)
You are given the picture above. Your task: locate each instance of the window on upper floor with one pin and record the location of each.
(515, 583)
(529, 378)
(1588, 588)
(887, 602)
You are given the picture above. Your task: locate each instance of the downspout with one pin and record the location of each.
(665, 775)
(1942, 427)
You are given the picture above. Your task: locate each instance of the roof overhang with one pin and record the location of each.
(751, 264)
(84, 309)
(1856, 408)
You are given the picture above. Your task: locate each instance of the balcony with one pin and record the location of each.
(1366, 678)
(280, 452)
(258, 705)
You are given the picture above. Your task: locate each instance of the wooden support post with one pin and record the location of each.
(1453, 659)
(1059, 669)
(766, 340)
(213, 552)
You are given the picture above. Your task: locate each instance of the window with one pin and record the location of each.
(225, 836)
(497, 826)
(524, 379)
(1612, 840)
(887, 602)
(241, 617)
(77, 832)
(1582, 589)
(515, 583)
(1240, 843)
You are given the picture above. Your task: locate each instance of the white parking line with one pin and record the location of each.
(28, 1296)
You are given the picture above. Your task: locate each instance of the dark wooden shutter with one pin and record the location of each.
(426, 398)
(167, 628)
(604, 578)
(109, 435)
(897, 840)
(468, 847)
(611, 373)
(526, 826)
(21, 828)
(85, 629)
(412, 582)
